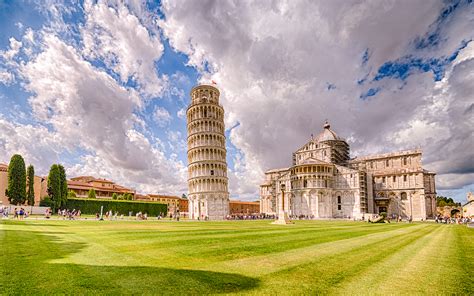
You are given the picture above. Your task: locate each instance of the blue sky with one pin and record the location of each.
(103, 86)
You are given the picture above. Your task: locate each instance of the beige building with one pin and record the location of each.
(40, 186)
(174, 203)
(207, 166)
(468, 208)
(103, 188)
(237, 207)
(324, 182)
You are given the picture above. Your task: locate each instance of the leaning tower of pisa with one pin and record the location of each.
(207, 167)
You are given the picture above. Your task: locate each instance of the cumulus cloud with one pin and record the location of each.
(88, 109)
(117, 37)
(275, 61)
(163, 175)
(36, 144)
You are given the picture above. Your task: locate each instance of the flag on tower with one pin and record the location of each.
(213, 82)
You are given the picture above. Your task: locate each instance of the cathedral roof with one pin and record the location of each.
(327, 135)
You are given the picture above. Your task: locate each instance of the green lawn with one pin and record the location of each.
(244, 257)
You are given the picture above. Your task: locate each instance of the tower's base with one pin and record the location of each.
(282, 219)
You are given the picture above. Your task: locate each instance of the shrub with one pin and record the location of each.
(71, 194)
(47, 202)
(114, 196)
(91, 193)
(383, 214)
(92, 206)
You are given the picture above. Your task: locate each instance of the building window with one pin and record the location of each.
(387, 163)
(212, 172)
(338, 199)
(404, 161)
(305, 183)
(404, 178)
(394, 179)
(383, 179)
(403, 196)
(339, 207)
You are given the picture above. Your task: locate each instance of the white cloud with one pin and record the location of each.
(117, 37)
(36, 144)
(6, 77)
(274, 61)
(181, 113)
(14, 49)
(161, 116)
(86, 108)
(162, 175)
(176, 142)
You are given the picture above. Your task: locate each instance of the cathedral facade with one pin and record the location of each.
(324, 182)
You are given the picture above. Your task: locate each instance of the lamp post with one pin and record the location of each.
(282, 215)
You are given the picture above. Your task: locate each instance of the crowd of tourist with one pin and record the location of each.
(65, 214)
(250, 217)
(21, 213)
(453, 220)
(18, 213)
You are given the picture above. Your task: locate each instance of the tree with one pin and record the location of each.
(71, 194)
(128, 196)
(91, 193)
(16, 188)
(54, 186)
(120, 197)
(114, 196)
(442, 201)
(184, 196)
(63, 184)
(31, 185)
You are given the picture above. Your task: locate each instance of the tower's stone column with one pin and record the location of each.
(207, 165)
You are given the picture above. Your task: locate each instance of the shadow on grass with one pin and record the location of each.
(25, 268)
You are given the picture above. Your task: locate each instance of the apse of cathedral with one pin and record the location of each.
(324, 182)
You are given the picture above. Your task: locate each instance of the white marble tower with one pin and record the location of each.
(207, 165)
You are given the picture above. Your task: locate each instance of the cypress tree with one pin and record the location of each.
(31, 183)
(63, 182)
(16, 189)
(54, 186)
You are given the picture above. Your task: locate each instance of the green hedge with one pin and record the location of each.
(92, 206)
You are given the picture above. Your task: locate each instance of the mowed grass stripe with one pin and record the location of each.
(218, 250)
(407, 264)
(276, 261)
(319, 275)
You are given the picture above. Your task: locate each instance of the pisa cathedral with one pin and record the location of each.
(324, 182)
(207, 166)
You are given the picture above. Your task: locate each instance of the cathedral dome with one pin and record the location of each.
(328, 134)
